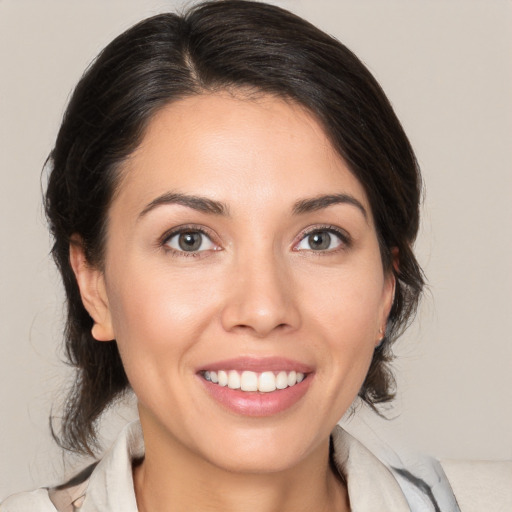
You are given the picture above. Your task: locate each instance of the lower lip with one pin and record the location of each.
(254, 403)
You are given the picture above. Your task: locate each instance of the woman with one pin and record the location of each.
(233, 203)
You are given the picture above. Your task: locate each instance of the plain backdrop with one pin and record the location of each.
(445, 65)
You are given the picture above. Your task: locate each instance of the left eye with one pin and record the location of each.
(190, 241)
(320, 240)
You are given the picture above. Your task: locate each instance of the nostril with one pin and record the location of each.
(256, 310)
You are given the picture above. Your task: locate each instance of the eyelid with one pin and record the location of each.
(184, 228)
(345, 238)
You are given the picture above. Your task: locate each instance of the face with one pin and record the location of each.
(241, 251)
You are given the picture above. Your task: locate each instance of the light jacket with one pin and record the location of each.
(372, 485)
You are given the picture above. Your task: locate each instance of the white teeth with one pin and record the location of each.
(233, 380)
(223, 378)
(267, 382)
(249, 381)
(264, 382)
(281, 380)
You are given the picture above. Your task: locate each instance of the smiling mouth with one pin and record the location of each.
(264, 382)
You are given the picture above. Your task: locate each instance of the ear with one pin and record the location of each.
(388, 293)
(91, 282)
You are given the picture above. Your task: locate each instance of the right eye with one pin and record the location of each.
(190, 241)
(328, 239)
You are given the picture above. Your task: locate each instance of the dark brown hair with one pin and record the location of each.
(217, 45)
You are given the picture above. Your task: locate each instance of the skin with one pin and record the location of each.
(258, 289)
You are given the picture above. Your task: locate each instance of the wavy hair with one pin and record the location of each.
(218, 45)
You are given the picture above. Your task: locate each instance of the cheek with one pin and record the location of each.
(346, 313)
(349, 304)
(156, 315)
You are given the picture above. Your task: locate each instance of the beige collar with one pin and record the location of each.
(371, 485)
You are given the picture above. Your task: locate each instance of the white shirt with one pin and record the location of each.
(372, 486)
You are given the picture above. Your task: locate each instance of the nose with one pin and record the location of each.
(260, 299)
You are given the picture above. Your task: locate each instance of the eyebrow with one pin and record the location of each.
(324, 201)
(206, 205)
(201, 204)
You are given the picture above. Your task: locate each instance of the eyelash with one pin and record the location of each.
(344, 237)
(345, 240)
(168, 235)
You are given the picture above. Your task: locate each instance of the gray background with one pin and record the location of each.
(445, 66)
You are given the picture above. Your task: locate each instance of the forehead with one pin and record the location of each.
(231, 148)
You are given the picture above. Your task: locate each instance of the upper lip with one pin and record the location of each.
(257, 364)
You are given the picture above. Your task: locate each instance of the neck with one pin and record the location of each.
(171, 478)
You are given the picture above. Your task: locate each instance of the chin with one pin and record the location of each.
(260, 451)
(256, 463)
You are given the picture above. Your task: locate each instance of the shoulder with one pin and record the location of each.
(103, 485)
(34, 501)
(64, 497)
(480, 485)
(382, 482)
